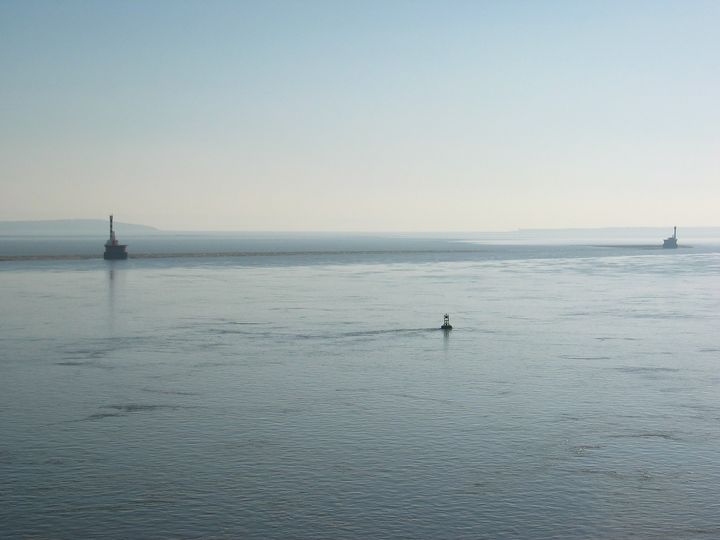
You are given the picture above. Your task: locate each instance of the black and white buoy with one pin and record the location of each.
(446, 323)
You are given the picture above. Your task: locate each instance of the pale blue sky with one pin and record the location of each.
(361, 115)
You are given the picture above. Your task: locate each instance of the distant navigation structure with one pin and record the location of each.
(671, 242)
(114, 251)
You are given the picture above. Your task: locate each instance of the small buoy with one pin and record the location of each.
(446, 323)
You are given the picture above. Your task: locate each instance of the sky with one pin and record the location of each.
(361, 115)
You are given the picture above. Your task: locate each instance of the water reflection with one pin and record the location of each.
(112, 274)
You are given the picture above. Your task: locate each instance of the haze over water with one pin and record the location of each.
(311, 395)
(296, 385)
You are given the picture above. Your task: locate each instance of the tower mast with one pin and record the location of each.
(114, 250)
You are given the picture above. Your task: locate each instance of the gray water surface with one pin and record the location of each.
(312, 396)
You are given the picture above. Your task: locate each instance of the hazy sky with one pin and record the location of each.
(362, 115)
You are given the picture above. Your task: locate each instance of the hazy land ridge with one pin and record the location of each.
(71, 227)
(99, 227)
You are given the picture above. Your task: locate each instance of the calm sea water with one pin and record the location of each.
(309, 394)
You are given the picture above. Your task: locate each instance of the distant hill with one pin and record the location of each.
(72, 227)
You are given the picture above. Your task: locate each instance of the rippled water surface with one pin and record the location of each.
(312, 396)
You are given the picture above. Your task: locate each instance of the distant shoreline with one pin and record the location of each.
(268, 254)
(636, 246)
(99, 227)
